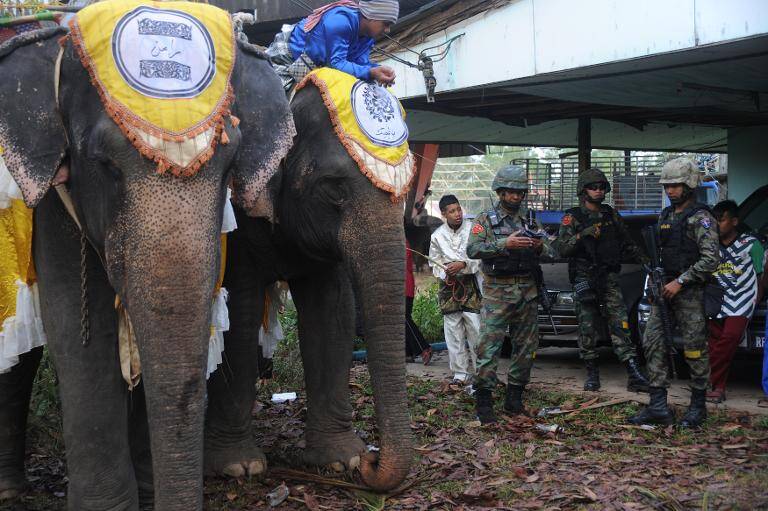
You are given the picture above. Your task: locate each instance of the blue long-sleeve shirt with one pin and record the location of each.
(335, 42)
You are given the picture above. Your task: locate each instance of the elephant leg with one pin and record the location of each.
(94, 396)
(325, 309)
(15, 391)
(141, 450)
(230, 448)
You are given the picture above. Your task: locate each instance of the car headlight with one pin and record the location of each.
(564, 298)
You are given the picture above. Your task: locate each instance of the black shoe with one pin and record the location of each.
(636, 380)
(484, 406)
(657, 411)
(593, 376)
(697, 410)
(513, 401)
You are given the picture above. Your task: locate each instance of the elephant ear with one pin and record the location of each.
(266, 126)
(31, 131)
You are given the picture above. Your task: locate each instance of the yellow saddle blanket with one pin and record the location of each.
(162, 70)
(370, 123)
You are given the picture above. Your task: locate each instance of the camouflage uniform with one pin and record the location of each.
(603, 278)
(689, 253)
(507, 300)
(688, 306)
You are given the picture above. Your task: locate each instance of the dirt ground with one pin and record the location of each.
(561, 368)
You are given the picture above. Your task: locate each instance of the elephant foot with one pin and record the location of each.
(338, 451)
(243, 460)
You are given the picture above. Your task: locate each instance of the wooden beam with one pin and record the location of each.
(585, 143)
(426, 159)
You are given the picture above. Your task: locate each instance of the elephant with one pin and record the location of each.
(336, 238)
(150, 238)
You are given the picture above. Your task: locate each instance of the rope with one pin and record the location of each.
(85, 332)
(455, 285)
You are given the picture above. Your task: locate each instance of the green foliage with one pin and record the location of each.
(45, 397)
(427, 315)
(287, 366)
(45, 407)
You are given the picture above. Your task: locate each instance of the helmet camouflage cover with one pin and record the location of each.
(590, 176)
(680, 171)
(513, 177)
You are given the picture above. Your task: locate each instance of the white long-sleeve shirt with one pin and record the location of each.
(448, 246)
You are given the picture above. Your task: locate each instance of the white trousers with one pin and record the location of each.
(462, 333)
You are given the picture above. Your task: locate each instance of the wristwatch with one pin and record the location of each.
(680, 281)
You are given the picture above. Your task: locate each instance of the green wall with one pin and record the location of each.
(747, 161)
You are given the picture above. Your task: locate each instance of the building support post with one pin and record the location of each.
(585, 143)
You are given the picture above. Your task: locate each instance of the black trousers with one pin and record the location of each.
(414, 340)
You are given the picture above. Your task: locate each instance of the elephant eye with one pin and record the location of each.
(332, 190)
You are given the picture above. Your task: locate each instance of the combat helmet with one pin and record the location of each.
(590, 176)
(513, 177)
(680, 171)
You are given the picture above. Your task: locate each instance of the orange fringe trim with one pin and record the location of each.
(127, 121)
(344, 139)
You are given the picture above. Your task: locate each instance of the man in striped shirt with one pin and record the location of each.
(741, 264)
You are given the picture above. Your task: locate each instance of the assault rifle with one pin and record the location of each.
(656, 293)
(532, 231)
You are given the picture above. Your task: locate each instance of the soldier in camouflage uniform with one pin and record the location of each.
(688, 242)
(594, 239)
(510, 254)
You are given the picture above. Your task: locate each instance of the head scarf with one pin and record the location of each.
(380, 10)
(314, 18)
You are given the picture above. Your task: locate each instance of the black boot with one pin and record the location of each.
(657, 411)
(697, 410)
(636, 380)
(484, 406)
(593, 376)
(513, 401)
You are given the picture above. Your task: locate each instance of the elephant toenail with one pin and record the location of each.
(354, 462)
(9, 494)
(337, 466)
(256, 468)
(234, 470)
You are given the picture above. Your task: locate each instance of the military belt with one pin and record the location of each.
(523, 278)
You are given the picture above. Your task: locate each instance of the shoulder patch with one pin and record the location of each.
(477, 229)
(567, 219)
(705, 222)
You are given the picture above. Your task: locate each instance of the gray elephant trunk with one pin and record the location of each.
(172, 330)
(170, 274)
(377, 266)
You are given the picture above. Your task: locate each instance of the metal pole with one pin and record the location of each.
(585, 143)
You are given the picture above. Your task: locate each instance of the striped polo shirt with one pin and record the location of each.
(740, 264)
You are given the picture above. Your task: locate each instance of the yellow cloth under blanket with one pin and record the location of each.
(20, 324)
(162, 70)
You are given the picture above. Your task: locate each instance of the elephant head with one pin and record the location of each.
(157, 234)
(333, 212)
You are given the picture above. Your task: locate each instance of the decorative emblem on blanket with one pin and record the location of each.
(162, 70)
(378, 114)
(370, 123)
(175, 58)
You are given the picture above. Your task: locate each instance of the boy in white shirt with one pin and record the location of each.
(459, 294)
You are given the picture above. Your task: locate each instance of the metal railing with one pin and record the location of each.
(634, 181)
